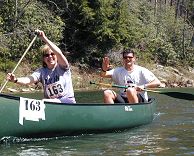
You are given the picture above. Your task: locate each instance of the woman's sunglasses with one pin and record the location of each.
(47, 55)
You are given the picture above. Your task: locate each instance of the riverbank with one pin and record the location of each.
(169, 76)
(174, 77)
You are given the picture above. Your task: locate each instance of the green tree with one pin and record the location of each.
(19, 20)
(95, 27)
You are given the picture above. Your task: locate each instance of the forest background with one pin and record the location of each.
(160, 32)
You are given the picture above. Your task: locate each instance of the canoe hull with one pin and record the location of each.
(71, 119)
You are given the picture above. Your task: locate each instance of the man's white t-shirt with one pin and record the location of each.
(138, 76)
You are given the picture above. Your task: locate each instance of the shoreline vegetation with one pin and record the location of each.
(169, 76)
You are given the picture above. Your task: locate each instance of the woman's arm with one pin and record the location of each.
(62, 60)
(22, 80)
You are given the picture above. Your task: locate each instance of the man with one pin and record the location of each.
(55, 75)
(137, 78)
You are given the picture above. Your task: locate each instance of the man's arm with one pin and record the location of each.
(153, 84)
(105, 67)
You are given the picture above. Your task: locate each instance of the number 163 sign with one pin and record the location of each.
(31, 109)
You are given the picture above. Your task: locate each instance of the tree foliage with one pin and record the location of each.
(89, 29)
(19, 19)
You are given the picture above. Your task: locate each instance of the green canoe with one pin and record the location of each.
(70, 119)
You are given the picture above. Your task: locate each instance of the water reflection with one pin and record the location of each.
(33, 151)
(130, 142)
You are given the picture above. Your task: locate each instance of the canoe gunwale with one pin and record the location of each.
(151, 100)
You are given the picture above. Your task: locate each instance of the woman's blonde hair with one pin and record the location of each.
(44, 50)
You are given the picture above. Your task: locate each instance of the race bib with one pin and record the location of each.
(55, 90)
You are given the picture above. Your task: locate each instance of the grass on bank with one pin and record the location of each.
(81, 77)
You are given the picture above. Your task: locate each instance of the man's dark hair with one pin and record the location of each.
(128, 51)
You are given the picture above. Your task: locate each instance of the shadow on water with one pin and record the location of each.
(179, 95)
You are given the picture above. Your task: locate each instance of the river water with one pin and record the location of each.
(171, 133)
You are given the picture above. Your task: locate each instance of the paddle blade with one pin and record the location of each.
(179, 95)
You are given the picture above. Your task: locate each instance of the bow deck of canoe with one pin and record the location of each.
(71, 119)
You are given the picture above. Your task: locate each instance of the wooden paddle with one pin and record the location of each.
(118, 86)
(20, 61)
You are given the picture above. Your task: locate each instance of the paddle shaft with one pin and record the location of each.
(109, 85)
(125, 87)
(19, 61)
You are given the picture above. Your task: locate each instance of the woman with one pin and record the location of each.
(55, 75)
